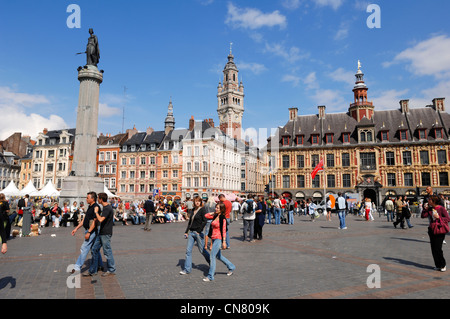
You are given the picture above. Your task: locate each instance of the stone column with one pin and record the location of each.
(83, 177)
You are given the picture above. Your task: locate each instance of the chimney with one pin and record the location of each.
(211, 122)
(293, 113)
(404, 106)
(45, 131)
(321, 111)
(438, 104)
(150, 130)
(191, 123)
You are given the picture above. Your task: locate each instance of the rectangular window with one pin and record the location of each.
(314, 160)
(285, 141)
(409, 179)
(286, 181)
(391, 179)
(316, 182)
(438, 133)
(390, 158)
(285, 161)
(443, 179)
(407, 158)
(346, 181)
(331, 181)
(175, 173)
(142, 174)
(300, 161)
(330, 160)
(152, 160)
(404, 135)
(422, 135)
(442, 157)
(424, 158)
(345, 159)
(300, 181)
(426, 179)
(205, 181)
(315, 139)
(300, 139)
(384, 136)
(143, 160)
(329, 138)
(346, 138)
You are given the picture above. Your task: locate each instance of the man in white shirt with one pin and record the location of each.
(235, 208)
(277, 210)
(248, 211)
(341, 206)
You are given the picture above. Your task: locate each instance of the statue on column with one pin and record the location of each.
(92, 50)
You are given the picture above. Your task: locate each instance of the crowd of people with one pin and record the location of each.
(208, 220)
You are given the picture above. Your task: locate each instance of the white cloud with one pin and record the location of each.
(311, 81)
(291, 4)
(389, 100)
(255, 68)
(429, 57)
(15, 118)
(291, 78)
(249, 18)
(291, 55)
(341, 75)
(107, 111)
(342, 32)
(332, 99)
(335, 4)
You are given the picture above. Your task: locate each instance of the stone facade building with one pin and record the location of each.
(370, 153)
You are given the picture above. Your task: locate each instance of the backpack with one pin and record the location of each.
(249, 210)
(21, 203)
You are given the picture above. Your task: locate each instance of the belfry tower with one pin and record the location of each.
(361, 107)
(230, 98)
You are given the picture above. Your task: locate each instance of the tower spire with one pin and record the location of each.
(361, 107)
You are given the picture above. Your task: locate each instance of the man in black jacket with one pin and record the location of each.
(149, 208)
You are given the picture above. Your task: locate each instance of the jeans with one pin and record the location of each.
(216, 253)
(341, 214)
(198, 239)
(105, 242)
(148, 220)
(269, 214)
(249, 223)
(291, 217)
(84, 250)
(207, 227)
(277, 213)
(227, 239)
(390, 215)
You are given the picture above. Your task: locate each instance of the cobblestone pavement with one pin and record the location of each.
(307, 260)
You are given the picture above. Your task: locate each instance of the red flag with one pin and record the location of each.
(318, 168)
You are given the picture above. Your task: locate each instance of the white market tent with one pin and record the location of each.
(11, 190)
(107, 192)
(29, 190)
(49, 190)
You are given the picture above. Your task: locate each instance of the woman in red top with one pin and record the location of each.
(218, 235)
(435, 212)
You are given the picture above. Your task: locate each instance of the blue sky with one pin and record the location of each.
(290, 53)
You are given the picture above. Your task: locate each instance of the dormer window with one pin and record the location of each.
(166, 145)
(315, 139)
(384, 136)
(197, 134)
(438, 134)
(143, 147)
(365, 136)
(133, 148)
(329, 138)
(152, 147)
(346, 138)
(422, 134)
(124, 148)
(285, 140)
(403, 135)
(299, 139)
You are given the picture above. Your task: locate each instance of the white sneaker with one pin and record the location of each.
(206, 279)
(183, 272)
(230, 273)
(444, 269)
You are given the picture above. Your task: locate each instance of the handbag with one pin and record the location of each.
(439, 227)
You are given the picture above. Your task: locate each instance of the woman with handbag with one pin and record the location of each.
(437, 229)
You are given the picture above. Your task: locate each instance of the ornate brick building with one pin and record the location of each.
(367, 152)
